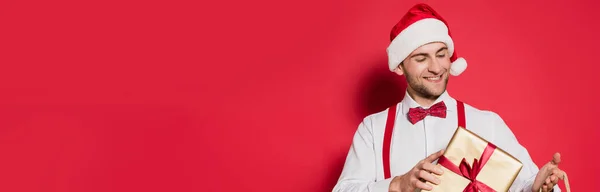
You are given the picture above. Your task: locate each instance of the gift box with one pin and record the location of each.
(472, 164)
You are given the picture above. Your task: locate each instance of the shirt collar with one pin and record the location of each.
(408, 102)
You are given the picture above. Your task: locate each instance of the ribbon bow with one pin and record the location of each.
(417, 114)
(471, 172)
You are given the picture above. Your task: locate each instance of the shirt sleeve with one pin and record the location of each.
(506, 140)
(359, 172)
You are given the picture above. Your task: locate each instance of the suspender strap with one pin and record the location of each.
(389, 128)
(387, 140)
(460, 108)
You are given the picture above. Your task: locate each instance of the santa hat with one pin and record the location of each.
(421, 25)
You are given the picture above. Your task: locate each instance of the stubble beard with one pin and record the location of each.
(421, 90)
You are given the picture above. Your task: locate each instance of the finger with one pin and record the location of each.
(419, 165)
(556, 159)
(545, 188)
(434, 156)
(421, 185)
(429, 177)
(554, 179)
(548, 182)
(558, 173)
(555, 171)
(433, 168)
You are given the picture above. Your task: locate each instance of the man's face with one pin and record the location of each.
(426, 70)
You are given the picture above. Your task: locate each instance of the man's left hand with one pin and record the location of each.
(548, 175)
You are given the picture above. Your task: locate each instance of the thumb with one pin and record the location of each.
(435, 155)
(556, 159)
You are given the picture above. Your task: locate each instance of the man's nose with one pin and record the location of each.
(435, 66)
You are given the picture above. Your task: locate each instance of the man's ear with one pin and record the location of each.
(399, 70)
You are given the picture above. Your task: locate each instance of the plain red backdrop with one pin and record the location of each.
(266, 95)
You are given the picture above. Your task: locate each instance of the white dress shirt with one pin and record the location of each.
(363, 169)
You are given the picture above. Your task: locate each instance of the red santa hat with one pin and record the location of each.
(421, 25)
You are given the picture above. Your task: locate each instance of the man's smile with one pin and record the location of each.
(434, 79)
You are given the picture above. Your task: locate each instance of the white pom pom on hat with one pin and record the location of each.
(421, 25)
(458, 66)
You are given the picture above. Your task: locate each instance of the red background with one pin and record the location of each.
(265, 95)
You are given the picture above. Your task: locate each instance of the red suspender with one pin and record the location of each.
(389, 127)
(460, 109)
(387, 139)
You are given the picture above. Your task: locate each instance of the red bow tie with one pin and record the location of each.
(417, 114)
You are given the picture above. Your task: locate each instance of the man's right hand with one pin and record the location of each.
(418, 175)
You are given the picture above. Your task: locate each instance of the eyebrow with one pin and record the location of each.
(425, 54)
(441, 49)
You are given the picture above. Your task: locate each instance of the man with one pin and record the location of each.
(423, 52)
